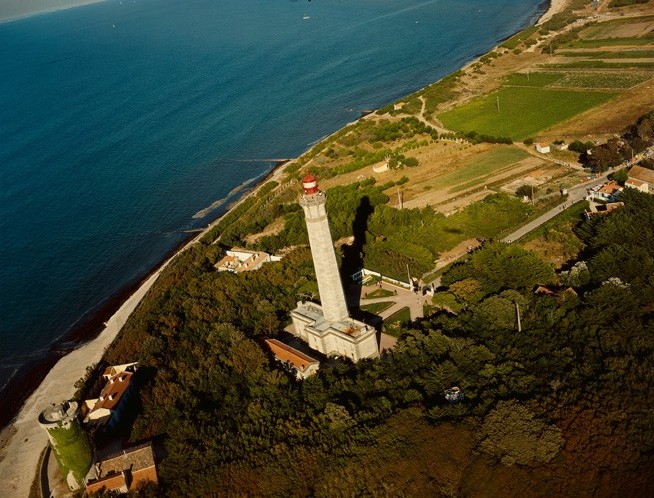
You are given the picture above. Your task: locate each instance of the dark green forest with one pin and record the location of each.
(562, 407)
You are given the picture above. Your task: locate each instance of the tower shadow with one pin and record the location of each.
(353, 255)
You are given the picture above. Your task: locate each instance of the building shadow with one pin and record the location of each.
(353, 255)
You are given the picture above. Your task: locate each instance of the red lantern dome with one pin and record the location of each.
(309, 184)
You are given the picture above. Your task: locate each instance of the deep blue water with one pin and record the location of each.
(121, 120)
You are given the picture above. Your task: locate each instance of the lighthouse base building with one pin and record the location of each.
(347, 337)
(328, 327)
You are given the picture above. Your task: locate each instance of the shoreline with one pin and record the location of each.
(555, 6)
(28, 377)
(20, 17)
(52, 379)
(21, 439)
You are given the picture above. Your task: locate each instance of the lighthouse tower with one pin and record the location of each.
(328, 327)
(322, 250)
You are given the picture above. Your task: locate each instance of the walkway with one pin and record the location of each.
(404, 299)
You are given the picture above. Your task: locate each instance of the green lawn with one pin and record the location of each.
(380, 293)
(392, 325)
(400, 316)
(523, 111)
(376, 308)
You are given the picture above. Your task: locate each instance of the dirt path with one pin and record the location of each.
(437, 125)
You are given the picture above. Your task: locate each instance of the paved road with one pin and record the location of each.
(575, 194)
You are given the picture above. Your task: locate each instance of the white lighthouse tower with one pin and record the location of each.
(328, 328)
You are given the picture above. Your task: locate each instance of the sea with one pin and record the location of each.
(123, 122)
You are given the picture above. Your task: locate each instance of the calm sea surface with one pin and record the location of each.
(120, 121)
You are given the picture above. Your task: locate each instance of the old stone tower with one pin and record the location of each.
(69, 441)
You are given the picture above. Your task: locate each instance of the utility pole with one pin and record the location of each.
(408, 273)
(498, 103)
(532, 196)
(399, 198)
(517, 311)
(527, 75)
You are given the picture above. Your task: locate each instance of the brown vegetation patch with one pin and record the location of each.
(627, 30)
(607, 119)
(272, 229)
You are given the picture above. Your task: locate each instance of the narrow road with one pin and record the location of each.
(575, 194)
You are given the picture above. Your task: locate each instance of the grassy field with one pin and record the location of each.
(380, 293)
(474, 171)
(517, 39)
(555, 241)
(613, 28)
(522, 111)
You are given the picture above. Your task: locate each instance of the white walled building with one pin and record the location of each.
(641, 179)
(328, 327)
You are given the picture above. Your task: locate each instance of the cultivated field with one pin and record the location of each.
(520, 112)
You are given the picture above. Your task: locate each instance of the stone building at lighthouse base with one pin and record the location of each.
(348, 337)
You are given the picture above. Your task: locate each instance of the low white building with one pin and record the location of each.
(109, 406)
(240, 260)
(543, 149)
(608, 192)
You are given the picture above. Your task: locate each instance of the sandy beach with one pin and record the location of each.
(555, 7)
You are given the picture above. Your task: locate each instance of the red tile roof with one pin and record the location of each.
(286, 353)
(112, 482)
(633, 181)
(610, 187)
(135, 458)
(642, 174)
(143, 476)
(113, 391)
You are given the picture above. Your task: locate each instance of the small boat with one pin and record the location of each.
(306, 17)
